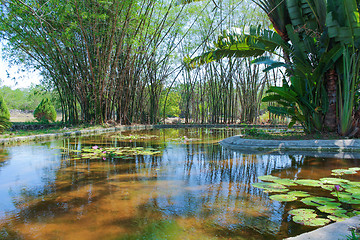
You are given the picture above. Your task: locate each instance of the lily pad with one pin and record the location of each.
(350, 201)
(353, 190)
(351, 184)
(339, 214)
(331, 209)
(276, 190)
(328, 187)
(355, 169)
(319, 201)
(309, 182)
(356, 195)
(301, 211)
(343, 195)
(299, 194)
(336, 219)
(339, 172)
(268, 185)
(268, 178)
(313, 221)
(283, 198)
(334, 181)
(285, 182)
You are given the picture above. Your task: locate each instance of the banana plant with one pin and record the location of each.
(343, 23)
(305, 99)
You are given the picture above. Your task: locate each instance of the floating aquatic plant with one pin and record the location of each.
(270, 187)
(340, 172)
(312, 221)
(319, 201)
(299, 193)
(96, 152)
(301, 211)
(268, 178)
(283, 198)
(346, 196)
(309, 182)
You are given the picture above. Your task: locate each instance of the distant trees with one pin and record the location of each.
(28, 98)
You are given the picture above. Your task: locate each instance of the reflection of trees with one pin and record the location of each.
(219, 183)
(198, 180)
(4, 156)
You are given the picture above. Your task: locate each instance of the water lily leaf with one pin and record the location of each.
(299, 194)
(355, 169)
(353, 190)
(328, 187)
(309, 182)
(314, 222)
(319, 201)
(339, 172)
(285, 181)
(350, 201)
(353, 184)
(339, 214)
(268, 185)
(283, 198)
(268, 178)
(336, 219)
(343, 195)
(273, 190)
(356, 195)
(302, 211)
(331, 209)
(353, 213)
(303, 217)
(336, 181)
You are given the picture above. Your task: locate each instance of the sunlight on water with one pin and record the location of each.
(180, 184)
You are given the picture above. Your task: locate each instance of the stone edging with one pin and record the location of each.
(334, 231)
(344, 148)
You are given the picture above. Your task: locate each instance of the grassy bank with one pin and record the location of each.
(56, 128)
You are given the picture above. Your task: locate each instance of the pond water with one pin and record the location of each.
(162, 184)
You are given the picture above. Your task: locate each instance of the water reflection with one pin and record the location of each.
(194, 189)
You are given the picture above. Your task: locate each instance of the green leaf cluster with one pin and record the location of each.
(4, 111)
(45, 111)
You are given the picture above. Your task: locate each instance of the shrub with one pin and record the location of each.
(4, 111)
(45, 111)
(4, 124)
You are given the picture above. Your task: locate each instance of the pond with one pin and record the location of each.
(153, 184)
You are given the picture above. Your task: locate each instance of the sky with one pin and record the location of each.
(17, 76)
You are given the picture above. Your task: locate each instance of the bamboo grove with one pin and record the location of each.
(128, 60)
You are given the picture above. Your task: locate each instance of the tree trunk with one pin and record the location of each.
(330, 120)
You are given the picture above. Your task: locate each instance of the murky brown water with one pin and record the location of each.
(191, 189)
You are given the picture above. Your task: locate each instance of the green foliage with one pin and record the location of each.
(4, 111)
(252, 42)
(45, 111)
(172, 107)
(28, 98)
(4, 123)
